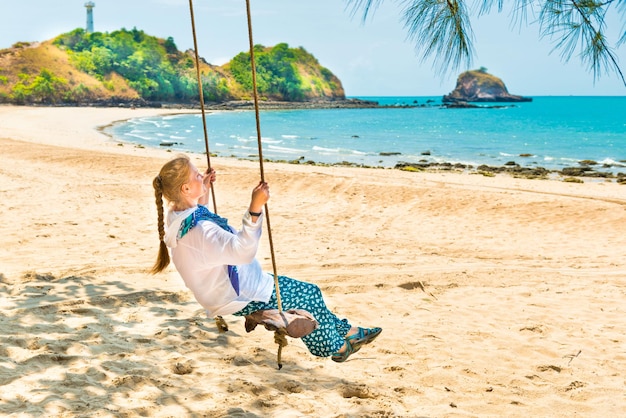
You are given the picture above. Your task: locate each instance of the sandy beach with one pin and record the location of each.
(499, 297)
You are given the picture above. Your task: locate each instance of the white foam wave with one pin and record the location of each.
(286, 150)
(272, 141)
(610, 161)
(322, 149)
(242, 139)
(148, 121)
(139, 135)
(243, 147)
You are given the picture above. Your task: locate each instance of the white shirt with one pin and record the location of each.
(202, 257)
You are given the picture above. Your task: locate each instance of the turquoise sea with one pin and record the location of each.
(556, 132)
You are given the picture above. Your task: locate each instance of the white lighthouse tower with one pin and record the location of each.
(90, 5)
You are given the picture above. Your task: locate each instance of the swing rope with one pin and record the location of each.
(219, 321)
(260, 147)
(279, 334)
(201, 96)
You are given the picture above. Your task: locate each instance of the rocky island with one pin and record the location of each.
(480, 86)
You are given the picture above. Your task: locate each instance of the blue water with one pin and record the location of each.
(556, 131)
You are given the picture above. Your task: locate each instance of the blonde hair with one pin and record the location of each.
(168, 185)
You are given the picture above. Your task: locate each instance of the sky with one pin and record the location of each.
(371, 58)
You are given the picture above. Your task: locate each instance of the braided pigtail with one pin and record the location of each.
(167, 185)
(163, 257)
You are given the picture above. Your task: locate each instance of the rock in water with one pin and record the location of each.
(480, 86)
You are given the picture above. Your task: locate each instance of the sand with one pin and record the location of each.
(498, 296)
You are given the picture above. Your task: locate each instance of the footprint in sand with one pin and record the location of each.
(360, 391)
(181, 367)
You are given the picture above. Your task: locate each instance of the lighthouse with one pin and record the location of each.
(90, 5)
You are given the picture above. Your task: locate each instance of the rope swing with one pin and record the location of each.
(279, 335)
(201, 96)
(287, 321)
(219, 321)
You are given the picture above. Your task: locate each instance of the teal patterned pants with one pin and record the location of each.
(328, 338)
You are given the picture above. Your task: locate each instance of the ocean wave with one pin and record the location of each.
(140, 135)
(556, 139)
(242, 139)
(286, 150)
(322, 149)
(272, 141)
(158, 123)
(569, 161)
(612, 162)
(148, 121)
(343, 151)
(170, 117)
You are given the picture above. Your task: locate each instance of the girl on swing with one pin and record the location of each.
(218, 262)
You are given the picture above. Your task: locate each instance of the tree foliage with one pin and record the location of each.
(442, 29)
(155, 68)
(278, 72)
(159, 72)
(149, 64)
(44, 88)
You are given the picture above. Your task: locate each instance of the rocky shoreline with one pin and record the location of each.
(586, 168)
(350, 103)
(235, 105)
(312, 104)
(566, 174)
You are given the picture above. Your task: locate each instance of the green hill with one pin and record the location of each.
(131, 66)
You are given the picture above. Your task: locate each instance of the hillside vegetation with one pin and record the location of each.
(129, 65)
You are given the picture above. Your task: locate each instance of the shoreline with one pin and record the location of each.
(497, 296)
(585, 170)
